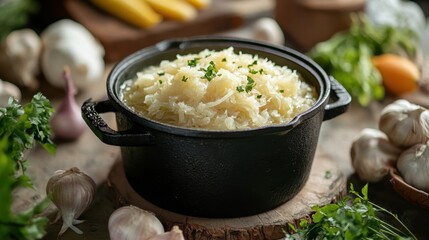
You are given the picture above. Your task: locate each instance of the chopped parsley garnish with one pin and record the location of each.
(253, 63)
(160, 81)
(210, 71)
(252, 71)
(262, 71)
(223, 59)
(258, 96)
(193, 62)
(184, 78)
(250, 84)
(161, 73)
(281, 90)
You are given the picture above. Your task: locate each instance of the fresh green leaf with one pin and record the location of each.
(20, 128)
(347, 56)
(349, 218)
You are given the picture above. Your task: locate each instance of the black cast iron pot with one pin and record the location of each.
(216, 173)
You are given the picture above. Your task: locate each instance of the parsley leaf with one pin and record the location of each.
(250, 84)
(350, 218)
(20, 128)
(193, 62)
(210, 71)
(240, 89)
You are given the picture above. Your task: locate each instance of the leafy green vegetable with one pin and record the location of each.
(356, 218)
(20, 127)
(14, 14)
(347, 55)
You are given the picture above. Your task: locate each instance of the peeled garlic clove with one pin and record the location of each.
(405, 124)
(133, 223)
(174, 234)
(72, 191)
(413, 165)
(372, 154)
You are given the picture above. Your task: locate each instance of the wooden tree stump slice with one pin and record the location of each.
(326, 184)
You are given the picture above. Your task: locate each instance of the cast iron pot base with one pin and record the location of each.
(320, 189)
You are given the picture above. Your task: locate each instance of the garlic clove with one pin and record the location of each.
(372, 154)
(404, 123)
(133, 223)
(174, 234)
(413, 165)
(72, 191)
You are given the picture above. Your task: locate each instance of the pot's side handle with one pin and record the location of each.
(341, 100)
(90, 113)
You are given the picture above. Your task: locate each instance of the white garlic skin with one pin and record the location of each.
(19, 58)
(404, 123)
(72, 191)
(372, 154)
(174, 234)
(67, 42)
(133, 223)
(268, 30)
(413, 165)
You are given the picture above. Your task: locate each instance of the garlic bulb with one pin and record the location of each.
(69, 43)
(133, 223)
(19, 58)
(72, 191)
(174, 234)
(405, 124)
(372, 154)
(413, 165)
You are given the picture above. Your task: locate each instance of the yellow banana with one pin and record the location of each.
(173, 9)
(135, 12)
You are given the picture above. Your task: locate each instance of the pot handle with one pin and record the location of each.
(340, 100)
(90, 113)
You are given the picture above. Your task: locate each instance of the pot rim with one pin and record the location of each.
(209, 41)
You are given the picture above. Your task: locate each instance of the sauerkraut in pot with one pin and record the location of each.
(219, 90)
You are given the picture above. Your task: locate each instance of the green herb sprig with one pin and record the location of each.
(20, 128)
(347, 55)
(351, 218)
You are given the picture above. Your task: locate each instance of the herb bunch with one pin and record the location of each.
(349, 219)
(347, 55)
(20, 128)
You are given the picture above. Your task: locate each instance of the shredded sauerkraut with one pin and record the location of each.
(219, 90)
